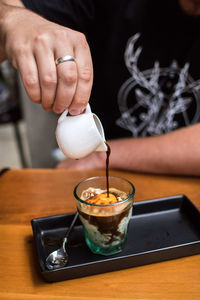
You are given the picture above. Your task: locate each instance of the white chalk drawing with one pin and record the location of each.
(158, 100)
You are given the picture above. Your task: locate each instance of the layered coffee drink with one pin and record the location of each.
(105, 215)
(107, 219)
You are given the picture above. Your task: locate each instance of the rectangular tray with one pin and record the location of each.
(159, 230)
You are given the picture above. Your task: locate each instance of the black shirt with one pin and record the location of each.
(146, 56)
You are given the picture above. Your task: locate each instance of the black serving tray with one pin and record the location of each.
(159, 230)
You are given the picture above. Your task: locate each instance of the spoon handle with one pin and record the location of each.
(70, 228)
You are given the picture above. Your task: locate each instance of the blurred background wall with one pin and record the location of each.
(14, 150)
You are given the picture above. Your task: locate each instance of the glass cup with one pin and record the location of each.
(105, 225)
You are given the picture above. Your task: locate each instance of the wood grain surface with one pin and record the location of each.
(31, 193)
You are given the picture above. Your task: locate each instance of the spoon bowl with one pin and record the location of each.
(59, 258)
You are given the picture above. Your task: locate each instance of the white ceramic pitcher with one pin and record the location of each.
(77, 136)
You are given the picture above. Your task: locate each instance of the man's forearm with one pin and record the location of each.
(177, 152)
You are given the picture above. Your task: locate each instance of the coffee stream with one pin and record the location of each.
(107, 168)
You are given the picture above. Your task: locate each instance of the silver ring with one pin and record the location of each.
(63, 59)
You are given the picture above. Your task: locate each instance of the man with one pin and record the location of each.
(146, 87)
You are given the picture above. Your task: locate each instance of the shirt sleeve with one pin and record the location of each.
(77, 15)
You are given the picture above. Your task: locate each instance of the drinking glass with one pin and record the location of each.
(105, 225)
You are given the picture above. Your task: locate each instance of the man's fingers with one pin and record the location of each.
(74, 78)
(29, 74)
(85, 76)
(66, 87)
(47, 77)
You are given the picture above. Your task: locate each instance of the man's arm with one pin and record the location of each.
(32, 44)
(177, 152)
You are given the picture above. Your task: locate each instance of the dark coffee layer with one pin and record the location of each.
(107, 224)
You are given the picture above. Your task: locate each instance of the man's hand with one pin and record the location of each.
(32, 44)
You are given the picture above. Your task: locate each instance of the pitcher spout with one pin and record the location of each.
(102, 147)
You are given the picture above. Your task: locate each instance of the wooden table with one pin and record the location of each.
(27, 194)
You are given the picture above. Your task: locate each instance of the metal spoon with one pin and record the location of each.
(59, 258)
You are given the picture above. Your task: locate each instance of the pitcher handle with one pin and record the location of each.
(65, 112)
